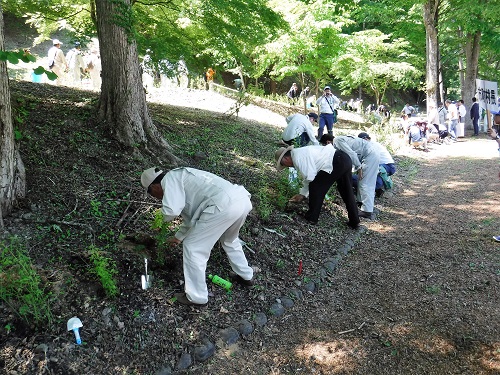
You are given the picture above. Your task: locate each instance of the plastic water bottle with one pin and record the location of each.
(220, 281)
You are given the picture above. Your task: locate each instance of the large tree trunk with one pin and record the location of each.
(472, 49)
(122, 105)
(431, 17)
(12, 174)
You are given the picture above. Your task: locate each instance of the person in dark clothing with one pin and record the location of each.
(474, 115)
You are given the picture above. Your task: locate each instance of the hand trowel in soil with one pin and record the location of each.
(146, 279)
(73, 325)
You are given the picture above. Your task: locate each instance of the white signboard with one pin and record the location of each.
(487, 94)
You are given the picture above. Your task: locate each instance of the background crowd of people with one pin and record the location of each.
(76, 66)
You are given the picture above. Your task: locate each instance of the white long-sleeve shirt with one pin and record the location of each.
(309, 161)
(357, 148)
(385, 156)
(56, 55)
(190, 192)
(328, 103)
(298, 124)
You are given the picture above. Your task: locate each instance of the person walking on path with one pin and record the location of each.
(76, 66)
(327, 105)
(320, 167)
(474, 115)
(212, 209)
(94, 68)
(293, 93)
(57, 61)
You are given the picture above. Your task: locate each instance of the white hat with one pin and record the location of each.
(56, 41)
(149, 175)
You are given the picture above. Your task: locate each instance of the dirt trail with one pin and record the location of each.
(418, 294)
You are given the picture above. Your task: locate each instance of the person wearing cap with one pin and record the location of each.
(327, 106)
(57, 61)
(76, 66)
(453, 118)
(212, 209)
(365, 159)
(386, 167)
(299, 130)
(319, 168)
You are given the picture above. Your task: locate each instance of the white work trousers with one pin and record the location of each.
(224, 225)
(366, 186)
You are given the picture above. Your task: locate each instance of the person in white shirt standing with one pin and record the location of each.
(76, 66)
(299, 130)
(327, 105)
(57, 61)
(453, 118)
(94, 68)
(462, 111)
(212, 209)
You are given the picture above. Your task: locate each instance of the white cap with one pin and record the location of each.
(149, 175)
(56, 41)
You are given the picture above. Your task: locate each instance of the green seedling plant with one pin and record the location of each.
(20, 284)
(105, 269)
(164, 231)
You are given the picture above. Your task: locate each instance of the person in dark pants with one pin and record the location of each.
(474, 115)
(320, 167)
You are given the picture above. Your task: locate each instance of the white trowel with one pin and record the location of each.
(146, 279)
(73, 325)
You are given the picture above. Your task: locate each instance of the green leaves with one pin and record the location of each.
(15, 56)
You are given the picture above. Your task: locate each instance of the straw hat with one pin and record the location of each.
(278, 155)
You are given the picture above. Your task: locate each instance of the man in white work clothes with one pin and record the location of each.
(365, 160)
(299, 131)
(212, 209)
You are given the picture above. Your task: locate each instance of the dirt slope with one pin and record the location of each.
(415, 292)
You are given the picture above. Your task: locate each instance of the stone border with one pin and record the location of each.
(242, 328)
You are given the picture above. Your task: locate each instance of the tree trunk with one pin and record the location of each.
(472, 49)
(431, 17)
(12, 174)
(122, 105)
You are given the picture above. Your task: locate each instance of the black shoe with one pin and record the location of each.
(379, 193)
(305, 217)
(182, 299)
(353, 225)
(240, 280)
(366, 215)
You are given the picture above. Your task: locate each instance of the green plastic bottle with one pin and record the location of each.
(221, 282)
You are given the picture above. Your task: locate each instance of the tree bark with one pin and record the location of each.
(122, 105)
(472, 49)
(12, 173)
(431, 17)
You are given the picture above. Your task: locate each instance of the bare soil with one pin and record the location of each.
(415, 291)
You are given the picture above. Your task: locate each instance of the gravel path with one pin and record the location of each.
(418, 294)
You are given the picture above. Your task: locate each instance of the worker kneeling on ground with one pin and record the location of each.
(212, 209)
